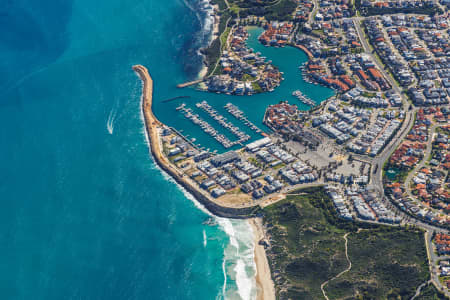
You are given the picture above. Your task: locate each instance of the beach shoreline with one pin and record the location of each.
(214, 34)
(264, 283)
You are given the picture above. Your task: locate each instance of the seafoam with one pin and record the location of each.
(238, 266)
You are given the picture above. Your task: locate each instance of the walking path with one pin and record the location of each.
(220, 49)
(419, 288)
(322, 286)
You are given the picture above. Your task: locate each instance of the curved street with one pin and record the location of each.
(420, 165)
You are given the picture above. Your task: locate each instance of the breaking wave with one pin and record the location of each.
(202, 37)
(239, 262)
(238, 265)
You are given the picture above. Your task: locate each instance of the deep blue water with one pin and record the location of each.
(85, 213)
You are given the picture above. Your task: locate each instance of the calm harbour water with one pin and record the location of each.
(86, 213)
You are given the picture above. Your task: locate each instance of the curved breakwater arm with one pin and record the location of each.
(153, 127)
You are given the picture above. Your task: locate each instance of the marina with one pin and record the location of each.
(252, 108)
(206, 127)
(305, 75)
(240, 115)
(304, 99)
(242, 136)
(186, 139)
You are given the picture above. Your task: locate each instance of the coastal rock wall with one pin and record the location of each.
(151, 125)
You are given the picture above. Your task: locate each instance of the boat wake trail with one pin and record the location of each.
(111, 119)
(205, 239)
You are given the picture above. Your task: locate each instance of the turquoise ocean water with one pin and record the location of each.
(85, 212)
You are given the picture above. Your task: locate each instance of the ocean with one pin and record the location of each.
(86, 214)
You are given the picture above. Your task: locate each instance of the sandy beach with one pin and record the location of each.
(265, 285)
(203, 71)
(264, 282)
(214, 35)
(215, 32)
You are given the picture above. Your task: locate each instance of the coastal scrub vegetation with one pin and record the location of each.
(385, 264)
(213, 52)
(373, 11)
(308, 248)
(280, 10)
(430, 292)
(221, 3)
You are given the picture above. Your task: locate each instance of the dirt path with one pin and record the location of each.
(322, 286)
(419, 289)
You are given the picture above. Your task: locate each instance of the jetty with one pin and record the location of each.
(303, 98)
(153, 128)
(185, 138)
(189, 83)
(206, 127)
(239, 114)
(242, 136)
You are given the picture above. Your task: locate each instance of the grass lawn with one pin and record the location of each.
(224, 37)
(248, 77)
(256, 87)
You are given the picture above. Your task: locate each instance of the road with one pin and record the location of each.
(380, 65)
(314, 11)
(220, 40)
(433, 263)
(376, 178)
(419, 166)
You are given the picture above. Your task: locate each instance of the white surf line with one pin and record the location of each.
(191, 197)
(225, 223)
(224, 286)
(242, 257)
(164, 173)
(322, 286)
